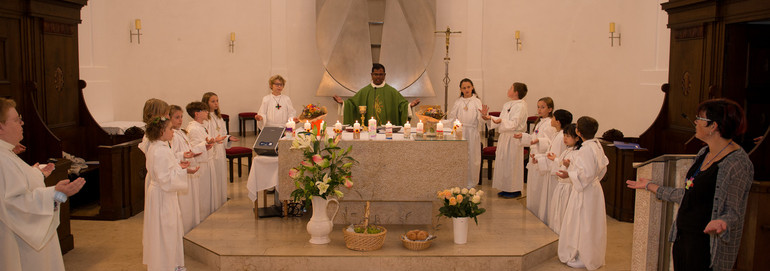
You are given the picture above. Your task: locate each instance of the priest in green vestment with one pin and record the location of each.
(382, 102)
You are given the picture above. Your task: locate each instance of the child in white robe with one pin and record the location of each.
(162, 230)
(276, 108)
(152, 108)
(563, 187)
(540, 141)
(199, 136)
(189, 202)
(467, 110)
(217, 130)
(583, 236)
(508, 175)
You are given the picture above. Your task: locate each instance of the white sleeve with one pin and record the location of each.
(263, 112)
(170, 175)
(582, 169)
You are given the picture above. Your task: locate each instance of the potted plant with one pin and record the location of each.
(461, 205)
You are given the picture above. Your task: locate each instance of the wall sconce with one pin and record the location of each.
(612, 35)
(232, 42)
(517, 35)
(138, 26)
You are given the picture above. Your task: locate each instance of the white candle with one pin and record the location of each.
(290, 125)
(407, 129)
(439, 127)
(420, 127)
(388, 130)
(307, 126)
(337, 127)
(356, 126)
(372, 128)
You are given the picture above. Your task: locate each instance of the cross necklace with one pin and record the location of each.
(277, 102)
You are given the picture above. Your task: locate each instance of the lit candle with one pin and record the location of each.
(518, 34)
(232, 36)
(338, 127)
(307, 126)
(290, 125)
(420, 127)
(439, 127)
(372, 128)
(138, 24)
(388, 130)
(457, 129)
(356, 130)
(407, 130)
(612, 27)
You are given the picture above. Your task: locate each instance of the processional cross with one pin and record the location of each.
(446, 80)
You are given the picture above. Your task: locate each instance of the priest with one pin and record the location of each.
(382, 102)
(29, 211)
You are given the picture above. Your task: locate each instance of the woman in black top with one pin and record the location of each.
(708, 227)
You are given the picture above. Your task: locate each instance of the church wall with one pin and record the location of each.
(566, 54)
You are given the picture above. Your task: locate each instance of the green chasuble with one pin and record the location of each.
(384, 104)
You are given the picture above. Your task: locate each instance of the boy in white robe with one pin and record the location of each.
(537, 175)
(217, 130)
(467, 109)
(563, 186)
(29, 211)
(199, 136)
(189, 202)
(509, 158)
(583, 237)
(276, 107)
(162, 232)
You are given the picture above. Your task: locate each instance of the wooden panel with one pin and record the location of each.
(10, 61)
(121, 179)
(619, 200)
(61, 74)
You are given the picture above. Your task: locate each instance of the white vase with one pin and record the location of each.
(461, 229)
(320, 225)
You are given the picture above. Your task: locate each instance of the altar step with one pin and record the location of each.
(508, 237)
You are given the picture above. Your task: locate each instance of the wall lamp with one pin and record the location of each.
(138, 26)
(612, 35)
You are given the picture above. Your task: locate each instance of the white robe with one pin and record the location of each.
(557, 148)
(276, 117)
(509, 158)
(163, 231)
(583, 237)
(471, 121)
(561, 192)
(537, 179)
(197, 134)
(189, 199)
(216, 127)
(28, 219)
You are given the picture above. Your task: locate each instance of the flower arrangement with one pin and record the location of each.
(461, 203)
(326, 166)
(431, 113)
(311, 111)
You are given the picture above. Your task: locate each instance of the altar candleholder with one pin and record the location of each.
(232, 42)
(612, 35)
(138, 34)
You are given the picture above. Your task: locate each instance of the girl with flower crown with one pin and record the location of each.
(162, 229)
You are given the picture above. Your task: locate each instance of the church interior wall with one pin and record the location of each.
(566, 54)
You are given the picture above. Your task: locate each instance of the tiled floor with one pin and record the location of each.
(117, 245)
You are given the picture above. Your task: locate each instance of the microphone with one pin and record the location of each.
(693, 124)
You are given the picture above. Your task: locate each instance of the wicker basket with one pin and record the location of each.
(416, 245)
(363, 241)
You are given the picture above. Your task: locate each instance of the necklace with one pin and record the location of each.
(277, 102)
(689, 183)
(466, 104)
(715, 156)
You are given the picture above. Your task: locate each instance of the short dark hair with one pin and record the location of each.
(587, 126)
(727, 114)
(195, 107)
(473, 91)
(378, 66)
(570, 130)
(521, 89)
(563, 116)
(155, 127)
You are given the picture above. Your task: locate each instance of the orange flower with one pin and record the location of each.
(459, 198)
(452, 201)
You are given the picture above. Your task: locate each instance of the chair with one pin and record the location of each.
(530, 121)
(242, 118)
(237, 152)
(226, 117)
(488, 153)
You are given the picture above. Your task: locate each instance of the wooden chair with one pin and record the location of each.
(226, 117)
(242, 118)
(237, 153)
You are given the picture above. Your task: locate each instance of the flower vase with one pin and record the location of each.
(430, 128)
(461, 229)
(320, 225)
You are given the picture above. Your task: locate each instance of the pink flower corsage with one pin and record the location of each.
(688, 183)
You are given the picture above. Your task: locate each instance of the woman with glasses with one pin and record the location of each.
(708, 227)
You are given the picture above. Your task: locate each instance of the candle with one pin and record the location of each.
(232, 36)
(307, 126)
(356, 130)
(439, 127)
(388, 130)
(518, 34)
(138, 24)
(420, 127)
(407, 130)
(289, 127)
(612, 27)
(457, 129)
(372, 128)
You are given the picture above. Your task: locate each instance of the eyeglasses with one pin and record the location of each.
(703, 119)
(278, 84)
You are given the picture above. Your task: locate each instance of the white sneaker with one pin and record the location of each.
(576, 263)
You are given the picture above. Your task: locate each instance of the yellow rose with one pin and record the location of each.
(452, 201)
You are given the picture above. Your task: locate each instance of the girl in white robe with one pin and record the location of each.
(537, 179)
(162, 232)
(563, 186)
(561, 118)
(276, 108)
(467, 110)
(508, 176)
(189, 202)
(199, 136)
(217, 130)
(583, 236)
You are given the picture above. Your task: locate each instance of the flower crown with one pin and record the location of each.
(157, 120)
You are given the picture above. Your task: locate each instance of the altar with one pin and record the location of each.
(400, 177)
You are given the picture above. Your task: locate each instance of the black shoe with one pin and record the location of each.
(500, 194)
(516, 194)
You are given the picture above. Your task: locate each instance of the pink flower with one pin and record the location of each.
(348, 183)
(293, 173)
(317, 158)
(306, 164)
